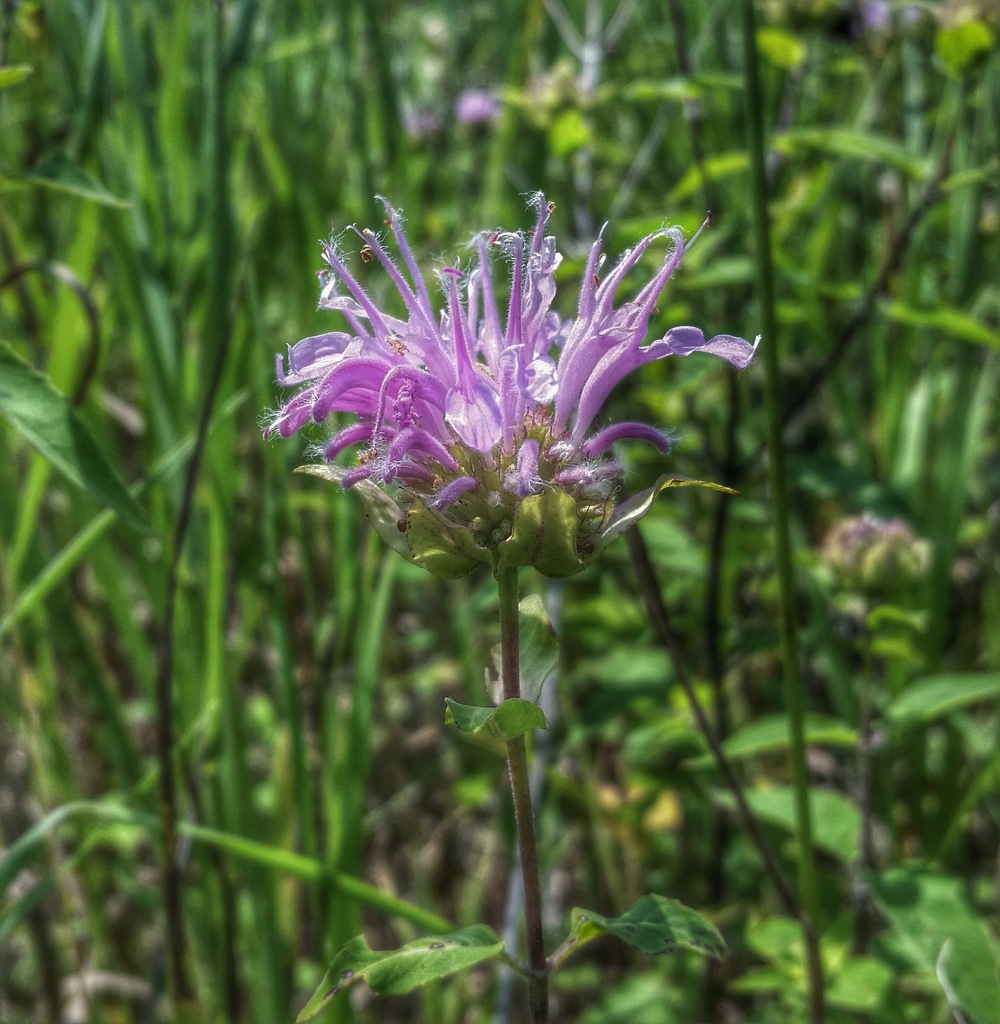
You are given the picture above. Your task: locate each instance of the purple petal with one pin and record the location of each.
(475, 418)
(356, 433)
(541, 380)
(292, 415)
(414, 439)
(605, 334)
(618, 363)
(589, 473)
(604, 439)
(451, 492)
(418, 396)
(356, 475)
(312, 357)
(365, 375)
(611, 368)
(524, 479)
(682, 341)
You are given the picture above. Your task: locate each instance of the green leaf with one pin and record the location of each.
(14, 75)
(724, 272)
(944, 320)
(846, 142)
(539, 648)
(508, 720)
(836, 821)
(860, 984)
(760, 979)
(380, 510)
(544, 535)
(568, 133)
(653, 924)
(959, 47)
(781, 48)
(60, 173)
(930, 915)
(715, 168)
(935, 696)
(51, 425)
(630, 512)
(677, 90)
(770, 734)
(398, 971)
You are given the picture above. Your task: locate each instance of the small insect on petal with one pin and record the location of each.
(367, 253)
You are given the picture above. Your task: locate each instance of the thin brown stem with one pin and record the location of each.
(649, 589)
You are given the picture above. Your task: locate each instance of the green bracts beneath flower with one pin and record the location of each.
(552, 531)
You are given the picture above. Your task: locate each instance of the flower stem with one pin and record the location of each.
(517, 763)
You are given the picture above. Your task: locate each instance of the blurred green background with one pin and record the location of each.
(166, 170)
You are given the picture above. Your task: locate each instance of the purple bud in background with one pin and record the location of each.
(476, 107)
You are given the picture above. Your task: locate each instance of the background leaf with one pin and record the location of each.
(653, 924)
(47, 420)
(397, 971)
(931, 916)
(62, 174)
(930, 698)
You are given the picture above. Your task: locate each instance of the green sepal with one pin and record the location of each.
(544, 535)
(380, 510)
(398, 971)
(442, 549)
(508, 720)
(629, 512)
(653, 924)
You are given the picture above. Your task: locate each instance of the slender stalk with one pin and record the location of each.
(649, 590)
(517, 763)
(794, 704)
(863, 910)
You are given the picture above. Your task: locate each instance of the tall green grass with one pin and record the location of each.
(181, 161)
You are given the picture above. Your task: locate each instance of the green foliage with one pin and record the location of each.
(181, 160)
(52, 426)
(933, 921)
(62, 174)
(925, 700)
(653, 924)
(508, 720)
(398, 971)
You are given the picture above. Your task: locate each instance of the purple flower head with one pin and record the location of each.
(484, 419)
(476, 106)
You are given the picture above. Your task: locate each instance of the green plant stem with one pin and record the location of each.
(794, 704)
(517, 763)
(864, 911)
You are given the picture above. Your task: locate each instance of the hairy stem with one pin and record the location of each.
(517, 763)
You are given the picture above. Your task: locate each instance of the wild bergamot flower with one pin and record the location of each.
(483, 424)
